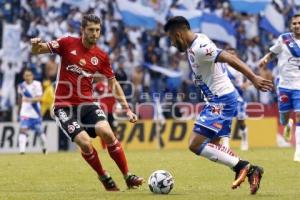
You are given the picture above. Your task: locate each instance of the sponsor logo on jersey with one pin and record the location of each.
(71, 128)
(94, 60)
(82, 62)
(73, 52)
(54, 44)
(76, 69)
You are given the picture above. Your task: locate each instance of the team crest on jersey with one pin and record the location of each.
(82, 62)
(283, 98)
(71, 128)
(54, 44)
(94, 60)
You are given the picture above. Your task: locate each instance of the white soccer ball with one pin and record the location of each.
(161, 182)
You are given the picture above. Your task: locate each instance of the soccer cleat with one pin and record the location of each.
(45, 152)
(133, 181)
(244, 145)
(297, 157)
(240, 177)
(287, 135)
(254, 178)
(108, 183)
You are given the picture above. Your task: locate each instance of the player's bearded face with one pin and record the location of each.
(91, 33)
(178, 42)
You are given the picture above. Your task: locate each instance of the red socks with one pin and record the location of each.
(94, 162)
(116, 152)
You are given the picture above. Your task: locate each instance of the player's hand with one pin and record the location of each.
(262, 84)
(132, 117)
(35, 41)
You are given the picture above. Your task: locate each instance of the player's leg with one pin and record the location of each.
(241, 117)
(101, 128)
(243, 130)
(297, 138)
(23, 135)
(23, 140)
(116, 152)
(202, 146)
(285, 106)
(296, 107)
(65, 118)
(38, 129)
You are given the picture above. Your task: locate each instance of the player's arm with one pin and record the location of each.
(259, 82)
(266, 59)
(120, 96)
(33, 99)
(19, 103)
(39, 47)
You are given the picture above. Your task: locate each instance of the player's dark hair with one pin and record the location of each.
(27, 69)
(293, 17)
(90, 18)
(177, 22)
(296, 15)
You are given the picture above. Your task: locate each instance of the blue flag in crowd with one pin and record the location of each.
(136, 14)
(249, 6)
(218, 29)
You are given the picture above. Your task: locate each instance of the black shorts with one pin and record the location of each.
(73, 120)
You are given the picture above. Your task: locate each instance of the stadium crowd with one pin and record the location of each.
(130, 48)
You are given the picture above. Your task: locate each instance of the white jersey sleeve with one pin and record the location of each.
(207, 52)
(277, 47)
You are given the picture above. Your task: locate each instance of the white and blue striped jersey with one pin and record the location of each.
(287, 50)
(28, 109)
(209, 76)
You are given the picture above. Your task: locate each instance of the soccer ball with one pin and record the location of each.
(161, 182)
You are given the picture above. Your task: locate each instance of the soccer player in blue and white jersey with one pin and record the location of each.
(214, 122)
(287, 50)
(30, 94)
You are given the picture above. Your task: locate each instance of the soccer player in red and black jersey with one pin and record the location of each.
(74, 108)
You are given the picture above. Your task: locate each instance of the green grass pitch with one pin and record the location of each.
(66, 176)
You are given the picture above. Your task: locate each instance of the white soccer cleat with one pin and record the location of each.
(244, 146)
(297, 157)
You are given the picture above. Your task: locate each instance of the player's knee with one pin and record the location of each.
(84, 143)
(194, 148)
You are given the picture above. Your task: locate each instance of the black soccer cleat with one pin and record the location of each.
(108, 183)
(254, 178)
(133, 181)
